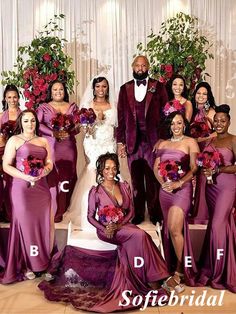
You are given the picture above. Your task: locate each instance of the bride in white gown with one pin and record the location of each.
(98, 97)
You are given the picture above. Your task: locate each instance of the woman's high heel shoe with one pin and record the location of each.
(30, 275)
(178, 288)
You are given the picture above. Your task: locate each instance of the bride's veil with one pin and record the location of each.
(88, 96)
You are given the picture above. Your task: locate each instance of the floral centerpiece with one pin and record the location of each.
(209, 160)
(32, 166)
(178, 48)
(170, 170)
(39, 63)
(110, 214)
(172, 106)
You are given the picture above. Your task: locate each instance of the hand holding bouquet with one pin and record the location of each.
(199, 129)
(61, 125)
(171, 172)
(110, 215)
(32, 166)
(210, 162)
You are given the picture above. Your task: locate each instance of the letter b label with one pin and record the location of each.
(34, 250)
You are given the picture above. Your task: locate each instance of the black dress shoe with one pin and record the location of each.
(137, 220)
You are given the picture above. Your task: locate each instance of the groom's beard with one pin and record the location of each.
(140, 75)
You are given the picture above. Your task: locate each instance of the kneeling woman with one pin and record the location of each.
(113, 271)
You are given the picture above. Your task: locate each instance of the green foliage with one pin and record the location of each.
(178, 48)
(41, 62)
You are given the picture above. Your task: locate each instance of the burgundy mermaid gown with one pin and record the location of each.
(93, 280)
(199, 213)
(221, 231)
(183, 199)
(30, 223)
(64, 155)
(6, 209)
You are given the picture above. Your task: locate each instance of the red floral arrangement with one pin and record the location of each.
(172, 106)
(7, 128)
(166, 72)
(32, 166)
(110, 214)
(85, 116)
(62, 122)
(200, 129)
(209, 160)
(170, 170)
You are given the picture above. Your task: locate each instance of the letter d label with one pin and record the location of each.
(138, 262)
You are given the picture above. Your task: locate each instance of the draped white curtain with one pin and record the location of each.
(104, 34)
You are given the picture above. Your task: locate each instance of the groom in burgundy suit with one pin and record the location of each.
(139, 107)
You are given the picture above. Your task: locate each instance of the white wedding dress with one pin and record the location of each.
(101, 142)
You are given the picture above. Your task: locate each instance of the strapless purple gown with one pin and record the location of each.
(64, 155)
(221, 231)
(30, 222)
(6, 209)
(93, 280)
(183, 199)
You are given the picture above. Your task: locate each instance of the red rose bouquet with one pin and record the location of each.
(199, 129)
(32, 166)
(7, 129)
(173, 106)
(110, 214)
(170, 170)
(209, 160)
(85, 116)
(62, 122)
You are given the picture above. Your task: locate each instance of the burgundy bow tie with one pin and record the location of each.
(139, 82)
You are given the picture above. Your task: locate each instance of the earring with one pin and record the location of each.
(207, 106)
(184, 129)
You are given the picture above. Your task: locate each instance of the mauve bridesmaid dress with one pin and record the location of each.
(64, 155)
(220, 273)
(183, 199)
(30, 223)
(93, 280)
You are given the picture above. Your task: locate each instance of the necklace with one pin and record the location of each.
(111, 190)
(178, 139)
(27, 139)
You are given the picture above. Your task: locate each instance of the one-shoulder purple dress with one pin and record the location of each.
(218, 257)
(183, 199)
(30, 225)
(95, 280)
(64, 154)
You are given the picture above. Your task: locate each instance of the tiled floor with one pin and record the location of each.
(26, 298)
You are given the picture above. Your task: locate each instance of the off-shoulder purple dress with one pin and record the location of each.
(219, 269)
(30, 225)
(64, 155)
(183, 199)
(93, 280)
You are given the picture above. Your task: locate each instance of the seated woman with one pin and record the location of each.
(117, 271)
(27, 159)
(174, 168)
(218, 259)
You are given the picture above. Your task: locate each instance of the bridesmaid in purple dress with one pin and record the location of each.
(204, 110)
(121, 272)
(218, 258)
(63, 146)
(31, 234)
(175, 198)
(11, 110)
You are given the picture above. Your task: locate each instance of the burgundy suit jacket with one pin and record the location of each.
(156, 98)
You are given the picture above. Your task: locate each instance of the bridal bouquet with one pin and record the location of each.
(86, 116)
(170, 170)
(7, 129)
(199, 129)
(32, 166)
(110, 214)
(172, 106)
(209, 160)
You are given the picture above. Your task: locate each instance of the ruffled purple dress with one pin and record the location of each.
(183, 199)
(64, 154)
(220, 273)
(30, 226)
(93, 280)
